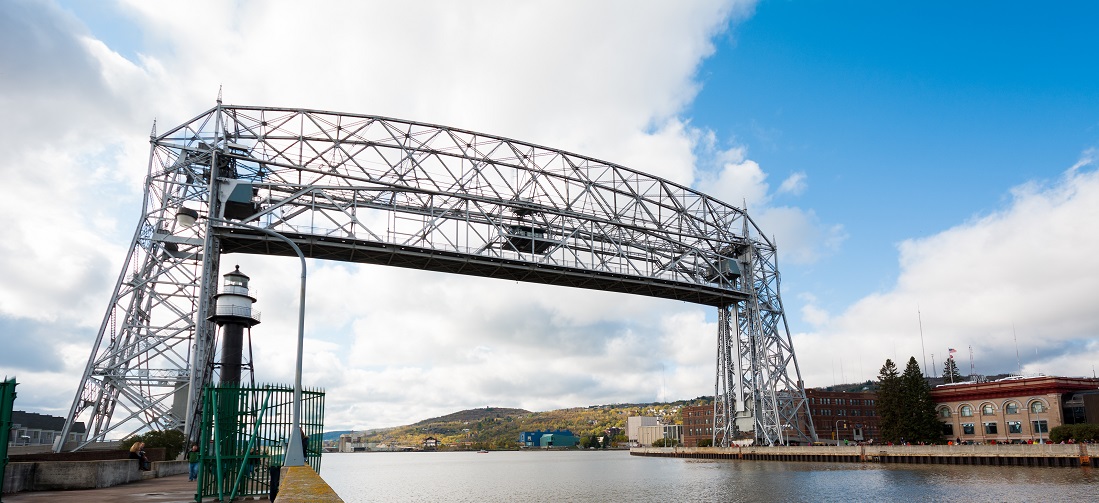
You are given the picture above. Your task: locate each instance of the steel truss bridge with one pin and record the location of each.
(378, 190)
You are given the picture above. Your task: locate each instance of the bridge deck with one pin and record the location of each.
(367, 252)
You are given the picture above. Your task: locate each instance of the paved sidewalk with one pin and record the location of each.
(173, 489)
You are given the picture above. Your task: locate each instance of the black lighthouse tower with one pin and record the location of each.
(234, 313)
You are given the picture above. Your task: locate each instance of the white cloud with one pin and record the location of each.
(800, 236)
(605, 79)
(1025, 272)
(794, 184)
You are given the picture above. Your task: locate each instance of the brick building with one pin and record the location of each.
(844, 415)
(1014, 409)
(698, 424)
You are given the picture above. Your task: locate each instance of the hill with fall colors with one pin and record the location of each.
(499, 428)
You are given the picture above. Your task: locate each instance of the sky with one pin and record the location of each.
(928, 171)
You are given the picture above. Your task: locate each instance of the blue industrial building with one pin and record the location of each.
(555, 438)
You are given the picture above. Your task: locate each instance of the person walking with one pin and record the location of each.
(193, 457)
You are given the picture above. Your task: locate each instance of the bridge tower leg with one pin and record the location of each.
(759, 393)
(155, 347)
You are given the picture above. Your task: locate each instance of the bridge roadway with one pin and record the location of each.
(1064, 455)
(234, 240)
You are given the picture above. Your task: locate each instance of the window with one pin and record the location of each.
(990, 428)
(839, 401)
(856, 412)
(966, 411)
(967, 428)
(841, 412)
(826, 401)
(944, 412)
(1011, 408)
(1014, 427)
(1039, 426)
(948, 429)
(987, 409)
(1037, 407)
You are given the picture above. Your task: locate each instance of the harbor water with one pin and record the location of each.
(616, 476)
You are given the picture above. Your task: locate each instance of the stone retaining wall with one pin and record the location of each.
(998, 454)
(67, 475)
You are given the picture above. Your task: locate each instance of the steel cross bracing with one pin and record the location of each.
(378, 190)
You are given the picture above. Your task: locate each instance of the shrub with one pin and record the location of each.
(665, 442)
(1075, 432)
(173, 442)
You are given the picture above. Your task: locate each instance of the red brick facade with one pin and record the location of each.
(698, 424)
(841, 415)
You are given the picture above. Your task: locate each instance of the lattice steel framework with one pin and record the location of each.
(378, 190)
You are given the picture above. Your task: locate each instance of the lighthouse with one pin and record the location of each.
(233, 313)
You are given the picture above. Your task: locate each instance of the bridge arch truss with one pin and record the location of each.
(378, 190)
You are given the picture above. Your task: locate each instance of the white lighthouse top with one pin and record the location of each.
(233, 303)
(236, 282)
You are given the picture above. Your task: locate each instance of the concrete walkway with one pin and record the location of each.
(174, 489)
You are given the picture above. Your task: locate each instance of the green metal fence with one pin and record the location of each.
(245, 432)
(7, 402)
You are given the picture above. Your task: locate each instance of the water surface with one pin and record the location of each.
(583, 476)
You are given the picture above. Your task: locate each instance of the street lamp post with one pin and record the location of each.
(838, 421)
(295, 451)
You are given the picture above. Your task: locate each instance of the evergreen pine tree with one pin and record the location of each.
(950, 372)
(919, 423)
(889, 402)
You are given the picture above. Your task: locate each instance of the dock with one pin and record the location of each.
(1059, 455)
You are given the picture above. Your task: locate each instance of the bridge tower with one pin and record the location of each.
(378, 190)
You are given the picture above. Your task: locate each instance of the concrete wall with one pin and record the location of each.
(168, 468)
(67, 475)
(18, 477)
(153, 453)
(1022, 450)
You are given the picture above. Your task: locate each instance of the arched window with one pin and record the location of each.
(1011, 408)
(987, 409)
(966, 411)
(944, 412)
(1037, 406)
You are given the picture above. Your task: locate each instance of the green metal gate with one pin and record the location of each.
(245, 432)
(7, 401)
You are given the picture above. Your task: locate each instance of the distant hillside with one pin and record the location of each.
(499, 427)
(334, 436)
(475, 415)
